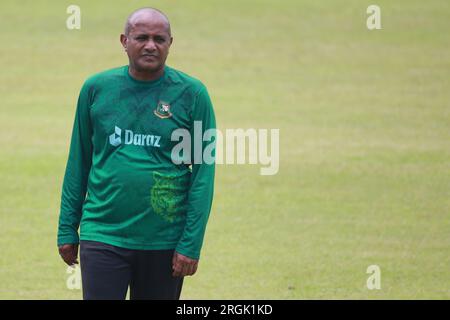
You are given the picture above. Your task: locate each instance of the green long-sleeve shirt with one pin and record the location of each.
(121, 186)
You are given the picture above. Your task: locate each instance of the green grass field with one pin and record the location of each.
(364, 142)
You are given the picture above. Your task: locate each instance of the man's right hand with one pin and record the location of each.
(69, 253)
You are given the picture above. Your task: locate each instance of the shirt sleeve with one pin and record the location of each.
(202, 178)
(77, 171)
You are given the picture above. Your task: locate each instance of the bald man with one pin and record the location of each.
(141, 214)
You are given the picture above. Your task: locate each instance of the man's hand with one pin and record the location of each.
(183, 266)
(69, 253)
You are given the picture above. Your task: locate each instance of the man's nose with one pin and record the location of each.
(150, 45)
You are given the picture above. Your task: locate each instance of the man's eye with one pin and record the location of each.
(160, 40)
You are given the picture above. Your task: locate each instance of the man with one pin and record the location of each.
(142, 216)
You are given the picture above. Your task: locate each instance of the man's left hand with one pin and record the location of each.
(183, 266)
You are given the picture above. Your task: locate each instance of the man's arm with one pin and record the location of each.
(200, 192)
(75, 178)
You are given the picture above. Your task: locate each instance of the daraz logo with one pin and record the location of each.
(136, 139)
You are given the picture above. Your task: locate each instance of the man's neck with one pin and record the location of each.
(145, 76)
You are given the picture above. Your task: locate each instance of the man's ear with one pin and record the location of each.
(123, 41)
(171, 40)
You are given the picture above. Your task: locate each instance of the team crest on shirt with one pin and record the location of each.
(163, 110)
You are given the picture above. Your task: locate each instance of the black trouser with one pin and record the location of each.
(107, 271)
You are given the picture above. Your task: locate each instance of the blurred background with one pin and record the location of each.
(364, 123)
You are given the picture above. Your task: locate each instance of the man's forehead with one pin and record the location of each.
(149, 27)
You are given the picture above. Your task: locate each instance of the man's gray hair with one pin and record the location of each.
(150, 10)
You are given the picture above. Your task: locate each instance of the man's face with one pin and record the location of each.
(147, 44)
